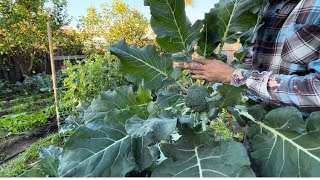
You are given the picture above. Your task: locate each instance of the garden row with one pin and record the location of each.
(28, 110)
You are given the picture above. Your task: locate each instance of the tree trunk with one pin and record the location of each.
(19, 60)
(32, 55)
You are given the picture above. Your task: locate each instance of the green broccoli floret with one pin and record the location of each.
(196, 98)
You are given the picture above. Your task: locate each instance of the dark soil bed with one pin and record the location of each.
(12, 146)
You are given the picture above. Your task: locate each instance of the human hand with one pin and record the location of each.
(210, 70)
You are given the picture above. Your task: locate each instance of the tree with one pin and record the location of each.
(23, 30)
(91, 26)
(67, 41)
(115, 21)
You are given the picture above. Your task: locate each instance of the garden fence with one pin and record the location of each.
(10, 70)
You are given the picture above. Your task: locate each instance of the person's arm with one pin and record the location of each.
(302, 92)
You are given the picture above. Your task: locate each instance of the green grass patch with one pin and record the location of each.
(25, 160)
(32, 106)
(23, 122)
(28, 104)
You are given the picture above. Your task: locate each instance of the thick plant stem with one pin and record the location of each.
(226, 33)
(204, 120)
(190, 61)
(204, 125)
(196, 119)
(220, 50)
(182, 87)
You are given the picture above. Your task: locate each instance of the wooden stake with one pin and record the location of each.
(53, 71)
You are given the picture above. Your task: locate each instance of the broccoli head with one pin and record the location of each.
(196, 98)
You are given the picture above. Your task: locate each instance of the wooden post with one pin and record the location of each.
(53, 71)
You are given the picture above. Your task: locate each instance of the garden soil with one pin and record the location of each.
(15, 145)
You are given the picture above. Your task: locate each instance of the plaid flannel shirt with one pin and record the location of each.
(286, 57)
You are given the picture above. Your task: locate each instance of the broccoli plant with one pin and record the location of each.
(160, 126)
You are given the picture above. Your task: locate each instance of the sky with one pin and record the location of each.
(78, 7)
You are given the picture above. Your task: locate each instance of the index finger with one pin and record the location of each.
(182, 65)
(200, 60)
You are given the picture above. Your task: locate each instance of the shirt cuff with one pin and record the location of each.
(240, 77)
(257, 82)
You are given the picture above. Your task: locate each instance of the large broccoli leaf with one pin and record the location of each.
(97, 149)
(166, 98)
(142, 152)
(195, 155)
(155, 128)
(50, 151)
(120, 104)
(148, 133)
(285, 145)
(105, 149)
(48, 165)
(209, 39)
(227, 22)
(169, 21)
(143, 64)
(228, 96)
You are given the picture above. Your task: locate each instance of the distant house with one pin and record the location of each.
(230, 49)
(97, 42)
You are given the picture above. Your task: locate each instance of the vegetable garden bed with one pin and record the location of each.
(158, 127)
(26, 115)
(14, 145)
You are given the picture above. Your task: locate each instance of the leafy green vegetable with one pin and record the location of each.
(209, 39)
(48, 165)
(228, 96)
(284, 146)
(105, 121)
(102, 146)
(194, 155)
(39, 83)
(196, 98)
(50, 160)
(143, 64)
(155, 128)
(167, 98)
(170, 23)
(23, 122)
(228, 21)
(120, 104)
